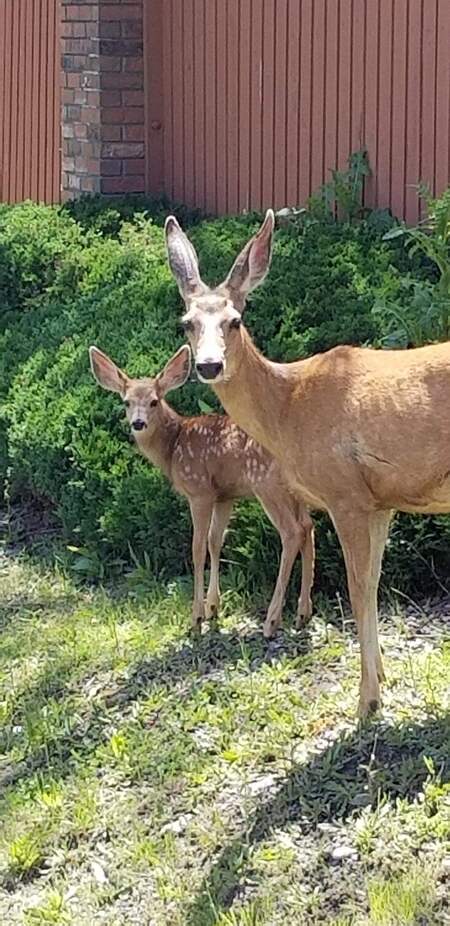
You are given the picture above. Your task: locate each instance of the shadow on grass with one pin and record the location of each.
(384, 762)
(198, 658)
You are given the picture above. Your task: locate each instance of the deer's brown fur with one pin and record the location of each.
(210, 461)
(359, 432)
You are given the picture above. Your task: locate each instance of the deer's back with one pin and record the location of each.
(214, 455)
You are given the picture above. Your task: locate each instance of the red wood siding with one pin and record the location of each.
(259, 98)
(29, 100)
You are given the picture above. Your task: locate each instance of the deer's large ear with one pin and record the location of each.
(183, 260)
(250, 268)
(176, 371)
(107, 373)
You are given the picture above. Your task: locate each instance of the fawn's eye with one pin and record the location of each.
(126, 403)
(153, 403)
(235, 323)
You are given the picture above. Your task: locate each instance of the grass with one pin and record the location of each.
(150, 777)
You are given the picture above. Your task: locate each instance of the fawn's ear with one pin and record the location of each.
(252, 264)
(176, 371)
(183, 259)
(107, 373)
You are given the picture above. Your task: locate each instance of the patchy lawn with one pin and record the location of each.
(152, 779)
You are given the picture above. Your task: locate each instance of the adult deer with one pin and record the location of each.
(212, 462)
(360, 432)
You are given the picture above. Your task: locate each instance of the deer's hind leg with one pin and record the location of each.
(219, 523)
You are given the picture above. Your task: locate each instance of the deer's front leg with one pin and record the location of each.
(201, 510)
(219, 521)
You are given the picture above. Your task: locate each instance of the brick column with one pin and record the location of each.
(103, 117)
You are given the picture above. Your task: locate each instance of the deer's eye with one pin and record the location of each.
(235, 323)
(126, 403)
(153, 403)
(188, 326)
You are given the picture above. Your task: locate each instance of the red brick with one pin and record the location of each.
(123, 48)
(108, 13)
(133, 98)
(81, 13)
(90, 184)
(80, 46)
(133, 166)
(90, 80)
(68, 163)
(122, 150)
(109, 30)
(74, 182)
(132, 29)
(73, 80)
(111, 167)
(90, 114)
(93, 98)
(122, 185)
(133, 64)
(80, 96)
(125, 81)
(122, 114)
(133, 132)
(111, 97)
(80, 130)
(109, 63)
(73, 148)
(81, 165)
(67, 96)
(110, 132)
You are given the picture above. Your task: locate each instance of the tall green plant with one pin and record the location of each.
(425, 314)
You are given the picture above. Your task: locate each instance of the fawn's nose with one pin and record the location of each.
(139, 425)
(210, 369)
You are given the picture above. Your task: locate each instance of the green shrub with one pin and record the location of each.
(84, 274)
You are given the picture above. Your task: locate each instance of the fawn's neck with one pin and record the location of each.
(159, 446)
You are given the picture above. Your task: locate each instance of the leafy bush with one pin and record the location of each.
(89, 273)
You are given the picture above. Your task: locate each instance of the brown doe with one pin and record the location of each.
(359, 432)
(210, 461)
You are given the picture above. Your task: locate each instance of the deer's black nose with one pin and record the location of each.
(209, 370)
(139, 425)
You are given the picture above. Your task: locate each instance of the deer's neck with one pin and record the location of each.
(258, 395)
(159, 446)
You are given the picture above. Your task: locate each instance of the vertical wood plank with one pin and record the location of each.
(256, 104)
(429, 60)
(292, 102)
(305, 113)
(210, 107)
(268, 104)
(442, 150)
(344, 83)
(245, 28)
(232, 106)
(318, 95)
(188, 102)
(371, 105)
(199, 44)
(158, 132)
(280, 149)
(385, 105)
(399, 108)
(413, 105)
(221, 91)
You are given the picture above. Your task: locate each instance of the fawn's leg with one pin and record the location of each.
(280, 508)
(363, 538)
(307, 549)
(219, 522)
(201, 510)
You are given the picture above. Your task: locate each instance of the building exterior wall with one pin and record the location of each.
(29, 100)
(262, 98)
(223, 104)
(103, 116)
